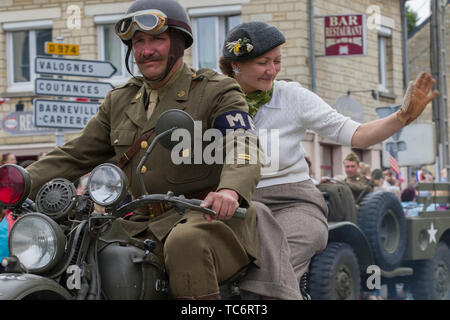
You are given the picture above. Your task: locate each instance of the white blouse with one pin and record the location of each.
(281, 125)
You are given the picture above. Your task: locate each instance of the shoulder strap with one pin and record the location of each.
(126, 157)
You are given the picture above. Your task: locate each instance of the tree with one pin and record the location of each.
(411, 18)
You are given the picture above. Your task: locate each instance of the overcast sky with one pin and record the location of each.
(422, 7)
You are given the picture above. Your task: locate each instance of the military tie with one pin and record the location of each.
(152, 103)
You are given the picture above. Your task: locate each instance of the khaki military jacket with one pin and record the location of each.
(121, 120)
(358, 184)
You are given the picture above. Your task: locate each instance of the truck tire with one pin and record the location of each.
(383, 221)
(334, 274)
(431, 279)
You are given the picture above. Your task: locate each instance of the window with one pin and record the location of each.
(210, 26)
(25, 41)
(384, 59)
(112, 49)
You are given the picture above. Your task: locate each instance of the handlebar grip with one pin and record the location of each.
(239, 213)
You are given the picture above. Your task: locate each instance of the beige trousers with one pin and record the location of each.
(291, 233)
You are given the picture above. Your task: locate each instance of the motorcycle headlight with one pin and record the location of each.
(107, 185)
(14, 185)
(37, 241)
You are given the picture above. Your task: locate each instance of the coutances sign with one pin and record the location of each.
(345, 35)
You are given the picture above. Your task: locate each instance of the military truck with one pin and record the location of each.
(376, 239)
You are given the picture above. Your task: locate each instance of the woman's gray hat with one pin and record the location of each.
(250, 40)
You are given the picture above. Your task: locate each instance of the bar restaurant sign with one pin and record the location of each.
(345, 35)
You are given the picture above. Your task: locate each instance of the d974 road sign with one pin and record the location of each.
(70, 88)
(71, 67)
(62, 48)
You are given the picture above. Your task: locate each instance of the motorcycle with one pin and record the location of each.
(62, 248)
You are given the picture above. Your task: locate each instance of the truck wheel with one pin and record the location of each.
(431, 279)
(334, 273)
(383, 221)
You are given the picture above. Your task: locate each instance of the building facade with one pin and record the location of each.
(25, 25)
(419, 56)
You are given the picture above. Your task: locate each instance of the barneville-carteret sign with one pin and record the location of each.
(63, 114)
(71, 67)
(70, 88)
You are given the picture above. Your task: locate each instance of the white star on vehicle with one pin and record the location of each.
(432, 232)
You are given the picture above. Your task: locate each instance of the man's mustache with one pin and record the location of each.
(148, 59)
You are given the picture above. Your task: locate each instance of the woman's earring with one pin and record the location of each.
(236, 70)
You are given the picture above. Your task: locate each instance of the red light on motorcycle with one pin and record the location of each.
(14, 184)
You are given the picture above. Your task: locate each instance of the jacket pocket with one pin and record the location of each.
(122, 137)
(185, 173)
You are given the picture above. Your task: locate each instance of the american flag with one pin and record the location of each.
(393, 163)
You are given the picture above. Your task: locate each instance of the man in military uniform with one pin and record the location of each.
(198, 252)
(359, 184)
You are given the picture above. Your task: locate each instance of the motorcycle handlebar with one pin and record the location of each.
(178, 202)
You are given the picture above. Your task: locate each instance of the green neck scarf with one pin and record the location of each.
(257, 99)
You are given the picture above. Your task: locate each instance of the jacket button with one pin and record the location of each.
(144, 144)
(152, 216)
(116, 141)
(143, 169)
(181, 93)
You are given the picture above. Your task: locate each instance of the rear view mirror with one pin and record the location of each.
(173, 118)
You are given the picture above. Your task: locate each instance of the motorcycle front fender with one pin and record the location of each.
(19, 286)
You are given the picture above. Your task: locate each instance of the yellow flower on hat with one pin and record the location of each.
(240, 46)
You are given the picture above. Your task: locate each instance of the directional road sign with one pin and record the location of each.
(63, 114)
(70, 88)
(71, 67)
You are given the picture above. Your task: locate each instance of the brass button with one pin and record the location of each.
(181, 93)
(152, 216)
(143, 169)
(116, 141)
(194, 75)
(138, 95)
(144, 144)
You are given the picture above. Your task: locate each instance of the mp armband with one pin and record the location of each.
(234, 120)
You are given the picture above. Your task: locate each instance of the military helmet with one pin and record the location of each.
(154, 17)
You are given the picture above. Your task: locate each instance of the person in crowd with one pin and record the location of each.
(252, 56)
(378, 179)
(199, 251)
(9, 158)
(6, 223)
(365, 170)
(358, 182)
(391, 184)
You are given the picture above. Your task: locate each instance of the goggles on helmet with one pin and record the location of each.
(149, 21)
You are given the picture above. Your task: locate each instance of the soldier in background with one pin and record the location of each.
(358, 183)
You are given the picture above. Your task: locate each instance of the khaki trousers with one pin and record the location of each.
(200, 255)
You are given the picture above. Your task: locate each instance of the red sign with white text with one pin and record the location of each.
(345, 35)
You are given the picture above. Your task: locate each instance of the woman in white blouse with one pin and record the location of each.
(252, 56)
